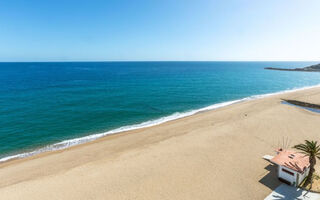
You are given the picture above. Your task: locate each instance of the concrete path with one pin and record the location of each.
(287, 192)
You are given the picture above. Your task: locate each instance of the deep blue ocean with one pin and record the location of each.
(47, 103)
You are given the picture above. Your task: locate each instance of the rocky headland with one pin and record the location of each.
(312, 68)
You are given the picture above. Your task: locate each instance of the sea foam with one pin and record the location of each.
(76, 141)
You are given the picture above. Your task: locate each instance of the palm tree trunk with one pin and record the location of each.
(312, 161)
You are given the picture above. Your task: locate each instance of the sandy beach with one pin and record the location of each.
(211, 155)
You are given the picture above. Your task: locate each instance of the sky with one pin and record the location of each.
(159, 30)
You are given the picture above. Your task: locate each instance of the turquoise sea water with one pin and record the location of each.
(47, 103)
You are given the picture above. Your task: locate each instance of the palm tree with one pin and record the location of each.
(311, 149)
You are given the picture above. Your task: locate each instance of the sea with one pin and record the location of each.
(45, 106)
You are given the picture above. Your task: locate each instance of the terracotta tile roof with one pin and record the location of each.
(292, 160)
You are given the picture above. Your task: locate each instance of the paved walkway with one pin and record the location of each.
(287, 192)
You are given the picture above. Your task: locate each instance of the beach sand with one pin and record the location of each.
(211, 155)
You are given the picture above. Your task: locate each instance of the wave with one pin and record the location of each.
(72, 142)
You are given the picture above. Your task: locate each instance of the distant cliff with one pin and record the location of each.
(312, 68)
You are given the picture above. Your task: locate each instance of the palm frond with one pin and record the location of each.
(310, 148)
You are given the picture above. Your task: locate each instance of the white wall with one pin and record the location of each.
(286, 176)
(303, 175)
(292, 179)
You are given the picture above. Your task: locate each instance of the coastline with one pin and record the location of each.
(82, 140)
(178, 115)
(212, 154)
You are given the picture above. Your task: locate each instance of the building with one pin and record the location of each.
(293, 167)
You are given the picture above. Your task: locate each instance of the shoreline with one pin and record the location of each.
(150, 123)
(195, 157)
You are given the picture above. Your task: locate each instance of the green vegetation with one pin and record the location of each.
(311, 149)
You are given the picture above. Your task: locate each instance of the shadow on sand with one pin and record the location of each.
(271, 179)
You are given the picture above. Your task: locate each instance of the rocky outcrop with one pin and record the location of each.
(303, 104)
(312, 68)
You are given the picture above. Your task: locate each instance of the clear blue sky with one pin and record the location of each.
(66, 30)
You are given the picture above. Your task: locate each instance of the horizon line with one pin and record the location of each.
(58, 61)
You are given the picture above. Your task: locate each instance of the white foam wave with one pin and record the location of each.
(72, 142)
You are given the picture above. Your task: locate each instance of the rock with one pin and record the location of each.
(312, 68)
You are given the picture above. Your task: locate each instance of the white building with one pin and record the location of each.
(293, 167)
